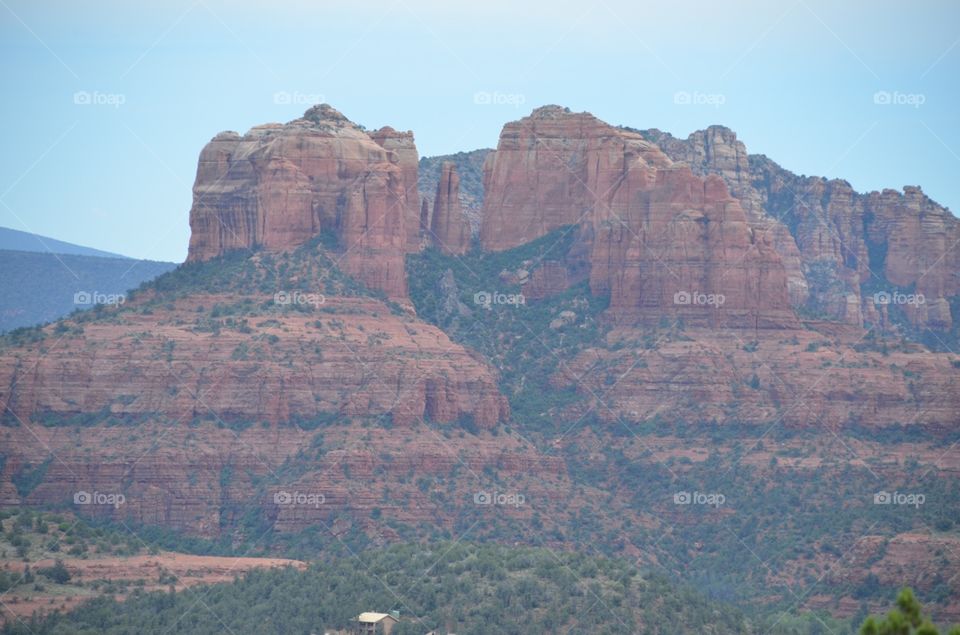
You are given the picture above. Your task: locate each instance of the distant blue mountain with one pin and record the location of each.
(13, 239)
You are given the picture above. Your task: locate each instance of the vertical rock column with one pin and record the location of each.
(449, 228)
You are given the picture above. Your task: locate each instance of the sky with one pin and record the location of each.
(106, 105)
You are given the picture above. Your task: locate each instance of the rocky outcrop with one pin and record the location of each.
(469, 169)
(663, 241)
(278, 186)
(840, 247)
(405, 156)
(923, 561)
(881, 242)
(717, 150)
(448, 228)
(545, 174)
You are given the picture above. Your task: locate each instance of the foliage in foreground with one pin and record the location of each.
(906, 619)
(462, 588)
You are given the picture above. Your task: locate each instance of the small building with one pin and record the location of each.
(376, 623)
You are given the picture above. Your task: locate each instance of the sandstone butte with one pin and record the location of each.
(359, 360)
(278, 186)
(662, 240)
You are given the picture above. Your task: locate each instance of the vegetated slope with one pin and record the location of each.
(448, 587)
(40, 287)
(798, 504)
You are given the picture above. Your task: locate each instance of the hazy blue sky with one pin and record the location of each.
(796, 80)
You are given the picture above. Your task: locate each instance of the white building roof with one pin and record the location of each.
(372, 618)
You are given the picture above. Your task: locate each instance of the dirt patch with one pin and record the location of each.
(119, 576)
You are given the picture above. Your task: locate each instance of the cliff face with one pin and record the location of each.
(556, 168)
(280, 185)
(405, 155)
(664, 242)
(701, 236)
(449, 228)
(840, 246)
(716, 150)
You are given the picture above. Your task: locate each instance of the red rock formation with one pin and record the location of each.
(888, 239)
(921, 239)
(836, 231)
(280, 185)
(544, 174)
(405, 150)
(449, 228)
(717, 150)
(662, 238)
(470, 170)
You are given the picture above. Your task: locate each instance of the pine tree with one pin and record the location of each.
(906, 619)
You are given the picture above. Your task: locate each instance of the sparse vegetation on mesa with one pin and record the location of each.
(34, 546)
(29, 536)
